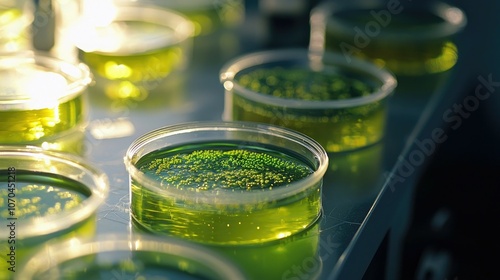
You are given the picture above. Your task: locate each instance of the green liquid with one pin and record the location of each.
(134, 57)
(217, 169)
(33, 106)
(335, 129)
(421, 64)
(210, 16)
(39, 195)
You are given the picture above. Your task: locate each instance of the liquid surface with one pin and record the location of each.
(126, 37)
(227, 167)
(303, 84)
(41, 194)
(336, 129)
(134, 58)
(224, 167)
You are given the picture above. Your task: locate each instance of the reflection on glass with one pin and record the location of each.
(413, 41)
(40, 97)
(72, 141)
(119, 97)
(294, 256)
(355, 174)
(341, 105)
(132, 48)
(44, 196)
(122, 257)
(15, 19)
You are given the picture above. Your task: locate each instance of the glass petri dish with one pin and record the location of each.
(415, 41)
(116, 256)
(132, 47)
(40, 97)
(225, 182)
(340, 104)
(44, 196)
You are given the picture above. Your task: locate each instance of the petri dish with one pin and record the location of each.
(118, 256)
(226, 183)
(40, 97)
(132, 47)
(340, 104)
(44, 196)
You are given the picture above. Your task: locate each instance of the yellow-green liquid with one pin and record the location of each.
(14, 32)
(336, 129)
(277, 259)
(33, 105)
(137, 57)
(38, 194)
(419, 64)
(220, 169)
(211, 16)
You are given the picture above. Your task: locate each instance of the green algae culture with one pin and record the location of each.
(340, 105)
(40, 97)
(224, 168)
(136, 50)
(416, 43)
(37, 195)
(275, 259)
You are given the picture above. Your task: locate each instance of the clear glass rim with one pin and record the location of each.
(78, 71)
(229, 71)
(151, 13)
(220, 197)
(56, 222)
(454, 20)
(57, 253)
